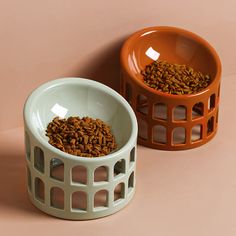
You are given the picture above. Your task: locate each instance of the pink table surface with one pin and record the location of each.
(187, 193)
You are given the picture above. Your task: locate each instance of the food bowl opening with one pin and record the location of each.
(168, 44)
(78, 97)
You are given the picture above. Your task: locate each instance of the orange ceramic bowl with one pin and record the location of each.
(166, 121)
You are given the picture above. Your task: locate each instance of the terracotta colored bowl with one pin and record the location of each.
(166, 121)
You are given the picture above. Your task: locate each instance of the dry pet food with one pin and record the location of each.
(84, 137)
(174, 78)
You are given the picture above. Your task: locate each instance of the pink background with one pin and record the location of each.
(44, 40)
(187, 193)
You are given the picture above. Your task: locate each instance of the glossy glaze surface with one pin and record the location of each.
(174, 45)
(78, 97)
(199, 110)
(74, 187)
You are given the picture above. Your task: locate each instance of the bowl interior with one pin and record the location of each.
(79, 99)
(173, 45)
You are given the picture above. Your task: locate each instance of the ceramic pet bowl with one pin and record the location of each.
(167, 121)
(73, 187)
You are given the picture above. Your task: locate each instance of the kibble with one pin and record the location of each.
(174, 78)
(84, 137)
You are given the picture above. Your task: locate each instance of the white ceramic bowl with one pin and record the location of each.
(73, 187)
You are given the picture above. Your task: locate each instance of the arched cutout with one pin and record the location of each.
(79, 174)
(211, 102)
(79, 200)
(196, 134)
(132, 155)
(101, 198)
(180, 113)
(119, 167)
(142, 104)
(197, 110)
(29, 179)
(160, 111)
(57, 197)
(39, 159)
(131, 182)
(57, 169)
(39, 189)
(119, 192)
(159, 134)
(179, 136)
(27, 146)
(101, 174)
(142, 129)
(210, 125)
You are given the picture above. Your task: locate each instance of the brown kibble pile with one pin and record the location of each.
(174, 78)
(84, 137)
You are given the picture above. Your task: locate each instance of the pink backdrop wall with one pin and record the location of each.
(44, 40)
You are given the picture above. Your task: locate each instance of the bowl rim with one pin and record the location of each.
(79, 81)
(131, 40)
